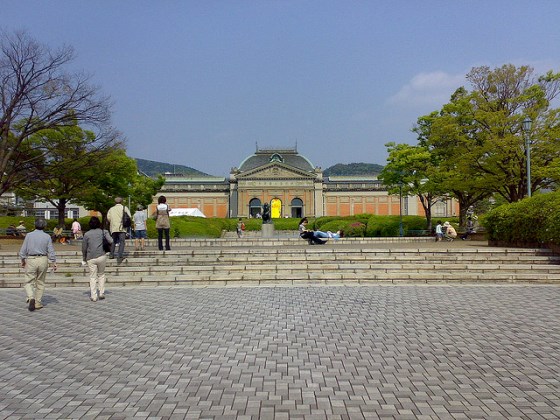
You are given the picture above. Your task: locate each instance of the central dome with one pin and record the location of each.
(288, 157)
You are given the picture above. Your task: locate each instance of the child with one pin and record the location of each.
(439, 231)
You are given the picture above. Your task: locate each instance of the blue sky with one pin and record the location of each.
(200, 83)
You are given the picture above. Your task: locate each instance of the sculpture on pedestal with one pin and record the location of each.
(266, 214)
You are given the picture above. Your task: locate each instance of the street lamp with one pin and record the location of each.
(401, 230)
(129, 229)
(527, 128)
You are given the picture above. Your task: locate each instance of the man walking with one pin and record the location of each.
(118, 231)
(35, 254)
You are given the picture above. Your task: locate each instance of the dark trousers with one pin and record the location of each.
(160, 233)
(311, 238)
(118, 238)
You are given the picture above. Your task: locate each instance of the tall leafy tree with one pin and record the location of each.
(413, 170)
(116, 175)
(481, 133)
(38, 92)
(65, 165)
(457, 176)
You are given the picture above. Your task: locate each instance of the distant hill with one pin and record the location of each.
(151, 168)
(351, 169)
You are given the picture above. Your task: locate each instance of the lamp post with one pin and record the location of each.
(129, 229)
(527, 128)
(401, 230)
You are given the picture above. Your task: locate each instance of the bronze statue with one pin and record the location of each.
(266, 213)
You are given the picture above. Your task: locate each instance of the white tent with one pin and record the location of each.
(186, 212)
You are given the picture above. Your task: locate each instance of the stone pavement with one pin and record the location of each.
(402, 352)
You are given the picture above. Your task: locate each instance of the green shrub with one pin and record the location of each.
(6, 221)
(29, 222)
(194, 227)
(321, 222)
(353, 226)
(355, 230)
(383, 226)
(286, 223)
(532, 221)
(336, 225)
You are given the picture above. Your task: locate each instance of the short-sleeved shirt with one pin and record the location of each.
(140, 220)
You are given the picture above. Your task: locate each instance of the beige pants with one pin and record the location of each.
(35, 274)
(97, 275)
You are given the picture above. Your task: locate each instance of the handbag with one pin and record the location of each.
(126, 220)
(106, 243)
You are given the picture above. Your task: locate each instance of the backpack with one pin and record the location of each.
(242, 226)
(126, 220)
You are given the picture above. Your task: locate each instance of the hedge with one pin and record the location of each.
(533, 221)
(188, 226)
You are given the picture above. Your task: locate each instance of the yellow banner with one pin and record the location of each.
(275, 209)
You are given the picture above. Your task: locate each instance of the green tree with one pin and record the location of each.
(450, 150)
(38, 93)
(481, 133)
(414, 171)
(117, 176)
(65, 164)
(143, 189)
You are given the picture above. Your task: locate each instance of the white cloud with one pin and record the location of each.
(428, 89)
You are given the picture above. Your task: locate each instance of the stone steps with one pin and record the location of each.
(367, 262)
(250, 257)
(255, 279)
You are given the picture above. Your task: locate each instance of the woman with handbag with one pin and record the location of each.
(162, 222)
(95, 256)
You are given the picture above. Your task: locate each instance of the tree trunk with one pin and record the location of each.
(104, 221)
(61, 206)
(427, 205)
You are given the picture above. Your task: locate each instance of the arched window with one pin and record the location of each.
(297, 208)
(255, 207)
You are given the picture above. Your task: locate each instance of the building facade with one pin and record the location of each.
(293, 187)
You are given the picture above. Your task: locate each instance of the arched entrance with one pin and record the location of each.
(275, 208)
(297, 208)
(255, 207)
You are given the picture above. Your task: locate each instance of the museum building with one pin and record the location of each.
(292, 186)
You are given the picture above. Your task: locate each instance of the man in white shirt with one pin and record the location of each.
(118, 232)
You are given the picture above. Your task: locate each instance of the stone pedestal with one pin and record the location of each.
(267, 230)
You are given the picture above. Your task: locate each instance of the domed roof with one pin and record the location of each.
(289, 157)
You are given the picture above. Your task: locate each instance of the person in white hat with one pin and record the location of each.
(450, 232)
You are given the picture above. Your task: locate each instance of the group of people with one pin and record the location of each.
(448, 232)
(19, 230)
(37, 250)
(59, 236)
(316, 237)
(445, 231)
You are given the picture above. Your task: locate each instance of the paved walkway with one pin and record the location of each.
(476, 352)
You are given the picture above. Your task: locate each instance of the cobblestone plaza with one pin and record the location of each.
(400, 352)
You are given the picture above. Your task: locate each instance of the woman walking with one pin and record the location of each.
(95, 257)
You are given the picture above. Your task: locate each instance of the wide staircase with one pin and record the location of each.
(253, 261)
